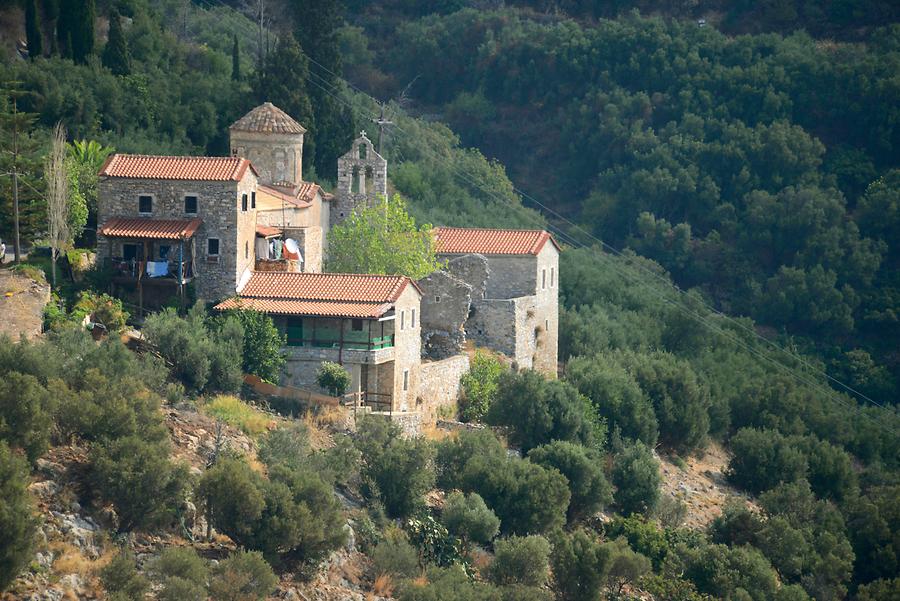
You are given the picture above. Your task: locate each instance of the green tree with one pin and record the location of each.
(282, 80)
(33, 35)
(761, 459)
(521, 560)
(137, 477)
(116, 56)
(583, 468)
(122, 580)
(181, 573)
(536, 411)
(236, 60)
(636, 477)
(75, 28)
(242, 576)
(581, 564)
(479, 386)
(25, 414)
(467, 517)
(333, 377)
(17, 520)
(616, 395)
(395, 469)
(262, 354)
(625, 567)
(382, 239)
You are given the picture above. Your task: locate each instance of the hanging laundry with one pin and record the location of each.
(262, 248)
(278, 244)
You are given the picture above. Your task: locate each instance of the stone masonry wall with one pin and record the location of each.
(439, 385)
(407, 348)
(445, 308)
(353, 165)
(218, 205)
(277, 157)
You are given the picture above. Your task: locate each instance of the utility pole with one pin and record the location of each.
(15, 179)
(381, 122)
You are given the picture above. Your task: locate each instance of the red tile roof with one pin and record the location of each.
(454, 240)
(266, 231)
(300, 307)
(268, 118)
(331, 294)
(157, 229)
(140, 166)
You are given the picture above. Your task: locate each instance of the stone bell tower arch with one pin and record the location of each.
(362, 178)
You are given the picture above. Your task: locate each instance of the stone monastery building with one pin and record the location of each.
(247, 231)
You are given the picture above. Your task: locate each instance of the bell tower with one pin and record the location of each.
(362, 178)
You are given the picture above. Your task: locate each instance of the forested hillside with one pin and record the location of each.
(760, 169)
(746, 161)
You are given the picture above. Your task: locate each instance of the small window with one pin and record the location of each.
(164, 252)
(356, 325)
(145, 204)
(130, 252)
(246, 250)
(543, 279)
(190, 204)
(363, 151)
(402, 320)
(552, 277)
(253, 200)
(547, 325)
(405, 380)
(412, 321)
(437, 299)
(212, 247)
(243, 202)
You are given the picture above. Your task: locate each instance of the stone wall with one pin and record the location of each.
(358, 165)
(473, 269)
(439, 385)
(407, 348)
(445, 308)
(218, 206)
(277, 157)
(492, 324)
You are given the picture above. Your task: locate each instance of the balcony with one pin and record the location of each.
(163, 272)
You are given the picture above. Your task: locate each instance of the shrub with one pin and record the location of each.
(636, 477)
(121, 579)
(396, 469)
(434, 542)
(25, 409)
(625, 567)
(467, 517)
(243, 576)
(203, 359)
(680, 399)
(616, 395)
(583, 468)
(879, 590)
(536, 411)
(761, 459)
(526, 497)
(237, 413)
(17, 521)
(102, 308)
(263, 343)
(479, 386)
(181, 574)
(103, 407)
(521, 560)
(396, 557)
(580, 566)
(287, 446)
(643, 536)
(136, 476)
(292, 517)
(333, 377)
(454, 584)
(725, 572)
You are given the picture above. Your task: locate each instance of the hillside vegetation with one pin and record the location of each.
(759, 171)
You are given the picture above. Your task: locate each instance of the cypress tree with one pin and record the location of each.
(116, 56)
(236, 60)
(33, 29)
(75, 28)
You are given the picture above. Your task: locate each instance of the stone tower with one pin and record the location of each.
(273, 142)
(362, 177)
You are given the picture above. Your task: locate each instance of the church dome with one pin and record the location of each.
(269, 119)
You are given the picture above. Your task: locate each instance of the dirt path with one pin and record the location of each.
(22, 302)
